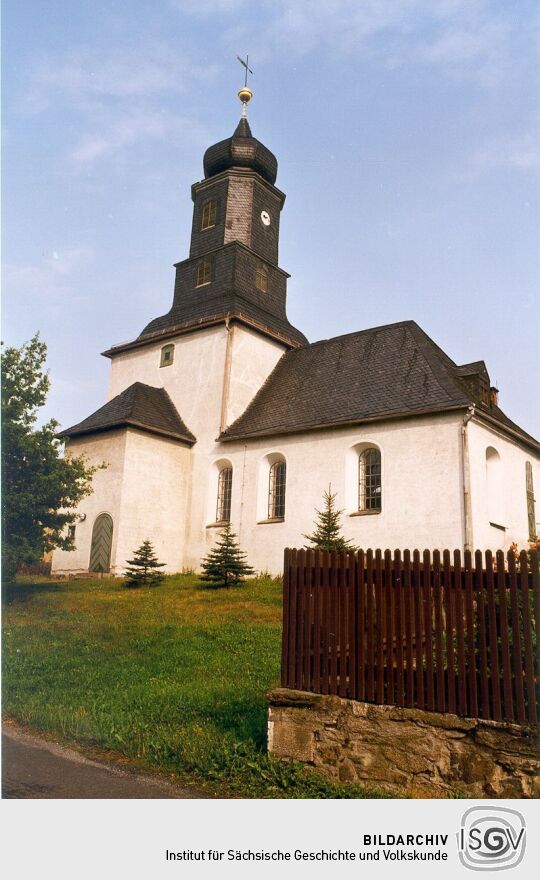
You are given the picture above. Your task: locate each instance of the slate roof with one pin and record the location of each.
(191, 314)
(241, 150)
(139, 406)
(385, 372)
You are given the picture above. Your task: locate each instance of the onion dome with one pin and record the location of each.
(241, 150)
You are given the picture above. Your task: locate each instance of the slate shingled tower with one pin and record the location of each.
(235, 239)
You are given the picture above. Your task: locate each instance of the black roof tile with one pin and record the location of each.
(139, 406)
(241, 150)
(380, 373)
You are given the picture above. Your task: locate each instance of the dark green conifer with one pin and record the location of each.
(142, 570)
(225, 565)
(327, 534)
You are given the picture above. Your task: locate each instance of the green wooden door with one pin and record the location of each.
(100, 554)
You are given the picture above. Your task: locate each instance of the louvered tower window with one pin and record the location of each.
(369, 479)
(208, 218)
(261, 279)
(276, 490)
(204, 273)
(531, 512)
(223, 509)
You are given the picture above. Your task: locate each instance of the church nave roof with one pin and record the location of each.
(385, 372)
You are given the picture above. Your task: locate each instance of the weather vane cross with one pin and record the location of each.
(248, 69)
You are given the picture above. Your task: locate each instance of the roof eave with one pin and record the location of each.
(526, 439)
(342, 423)
(190, 440)
(183, 330)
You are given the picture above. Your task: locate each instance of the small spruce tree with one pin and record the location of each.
(225, 565)
(327, 534)
(142, 570)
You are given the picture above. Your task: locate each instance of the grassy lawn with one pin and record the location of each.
(172, 677)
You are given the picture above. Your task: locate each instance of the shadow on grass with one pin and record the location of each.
(245, 719)
(22, 591)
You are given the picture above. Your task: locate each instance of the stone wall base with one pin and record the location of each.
(406, 752)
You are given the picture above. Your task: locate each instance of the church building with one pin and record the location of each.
(221, 410)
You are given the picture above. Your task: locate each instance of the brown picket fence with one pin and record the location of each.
(428, 632)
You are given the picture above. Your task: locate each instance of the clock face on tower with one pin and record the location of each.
(265, 218)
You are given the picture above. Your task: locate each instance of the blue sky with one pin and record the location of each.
(407, 138)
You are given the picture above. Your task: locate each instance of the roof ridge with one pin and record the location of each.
(362, 332)
(444, 369)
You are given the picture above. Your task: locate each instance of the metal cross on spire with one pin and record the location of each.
(245, 94)
(248, 69)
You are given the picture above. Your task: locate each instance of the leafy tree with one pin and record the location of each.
(143, 568)
(40, 487)
(225, 565)
(327, 534)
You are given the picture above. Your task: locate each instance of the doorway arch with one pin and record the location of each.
(100, 552)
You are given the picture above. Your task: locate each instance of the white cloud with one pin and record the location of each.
(521, 152)
(468, 37)
(113, 131)
(205, 8)
(85, 74)
(53, 277)
(120, 95)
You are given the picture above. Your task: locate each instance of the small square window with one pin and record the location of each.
(208, 215)
(204, 273)
(71, 533)
(167, 356)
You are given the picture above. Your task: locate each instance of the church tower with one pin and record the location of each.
(232, 271)
(190, 373)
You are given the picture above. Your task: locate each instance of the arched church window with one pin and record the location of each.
(208, 218)
(223, 509)
(261, 279)
(204, 273)
(494, 488)
(369, 479)
(276, 490)
(167, 355)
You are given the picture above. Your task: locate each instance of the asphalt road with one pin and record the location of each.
(37, 768)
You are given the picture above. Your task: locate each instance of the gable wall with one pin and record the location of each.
(155, 498)
(145, 489)
(108, 447)
(253, 357)
(195, 379)
(510, 509)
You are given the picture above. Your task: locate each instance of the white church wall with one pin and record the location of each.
(155, 499)
(498, 490)
(421, 484)
(109, 448)
(253, 359)
(195, 379)
(145, 489)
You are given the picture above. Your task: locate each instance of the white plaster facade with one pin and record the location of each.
(164, 490)
(450, 477)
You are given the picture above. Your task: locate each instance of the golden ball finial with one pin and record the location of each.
(245, 95)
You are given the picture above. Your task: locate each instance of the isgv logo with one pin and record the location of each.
(491, 838)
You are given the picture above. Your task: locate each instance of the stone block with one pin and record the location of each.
(406, 752)
(291, 740)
